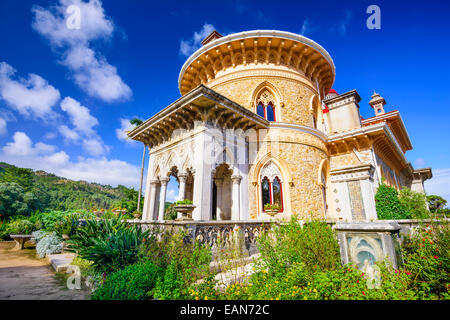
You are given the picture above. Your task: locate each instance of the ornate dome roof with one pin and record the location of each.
(258, 47)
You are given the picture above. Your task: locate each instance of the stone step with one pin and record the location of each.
(223, 265)
(61, 261)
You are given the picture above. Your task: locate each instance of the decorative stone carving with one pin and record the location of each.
(270, 170)
(265, 98)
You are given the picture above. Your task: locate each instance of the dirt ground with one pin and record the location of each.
(23, 276)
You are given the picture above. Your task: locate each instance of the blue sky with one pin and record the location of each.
(66, 95)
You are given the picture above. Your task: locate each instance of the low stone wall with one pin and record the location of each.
(359, 241)
(215, 233)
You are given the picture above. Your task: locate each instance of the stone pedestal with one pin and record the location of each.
(184, 211)
(371, 241)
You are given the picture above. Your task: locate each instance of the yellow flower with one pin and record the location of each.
(206, 297)
(196, 298)
(315, 290)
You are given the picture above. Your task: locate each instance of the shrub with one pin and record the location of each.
(387, 204)
(21, 226)
(49, 244)
(110, 245)
(4, 231)
(134, 282)
(38, 235)
(185, 266)
(344, 283)
(87, 234)
(170, 213)
(315, 245)
(414, 204)
(426, 255)
(185, 201)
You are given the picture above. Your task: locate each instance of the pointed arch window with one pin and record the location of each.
(260, 110)
(270, 112)
(271, 186)
(265, 190)
(265, 106)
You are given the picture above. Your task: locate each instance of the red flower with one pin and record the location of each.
(408, 273)
(363, 293)
(435, 257)
(357, 281)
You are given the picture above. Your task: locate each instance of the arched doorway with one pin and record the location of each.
(221, 201)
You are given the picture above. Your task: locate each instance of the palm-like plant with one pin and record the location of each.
(137, 122)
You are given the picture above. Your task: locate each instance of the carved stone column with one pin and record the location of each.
(182, 192)
(219, 184)
(235, 214)
(162, 197)
(150, 215)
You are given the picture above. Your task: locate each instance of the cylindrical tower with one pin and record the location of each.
(282, 77)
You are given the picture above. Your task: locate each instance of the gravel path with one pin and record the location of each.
(23, 276)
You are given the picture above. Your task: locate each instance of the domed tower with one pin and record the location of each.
(247, 138)
(282, 77)
(259, 131)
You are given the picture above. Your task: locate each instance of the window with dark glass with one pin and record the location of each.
(260, 110)
(265, 186)
(272, 192)
(266, 111)
(277, 195)
(270, 112)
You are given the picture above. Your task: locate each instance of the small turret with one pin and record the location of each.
(377, 103)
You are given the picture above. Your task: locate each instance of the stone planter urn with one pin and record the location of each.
(185, 211)
(271, 212)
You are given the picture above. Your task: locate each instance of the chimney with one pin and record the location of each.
(211, 37)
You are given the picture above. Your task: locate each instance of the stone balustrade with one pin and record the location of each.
(215, 233)
(379, 239)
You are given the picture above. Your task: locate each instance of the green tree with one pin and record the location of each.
(414, 204)
(387, 203)
(12, 200)
(436, 203)
(21, 176)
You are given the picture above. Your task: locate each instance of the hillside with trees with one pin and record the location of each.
(23, 191)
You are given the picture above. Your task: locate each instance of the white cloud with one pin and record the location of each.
(23, 153)
(90, 70)
(187, 47)
(80, 116)
(343, 23)
(125, 126)
(52, 23)
(3, 129)
(23, 146)
(440, 183)
(171, 196)
(307, 27)
(419, 162)
(50, 135)
(95, 146)
(83, 131)
(30, 97)
(95, 75)
(69, 135)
